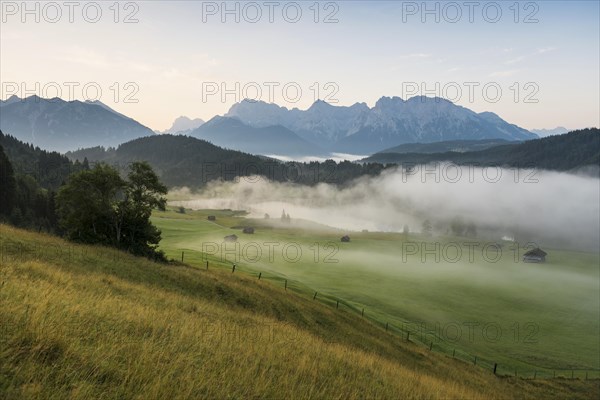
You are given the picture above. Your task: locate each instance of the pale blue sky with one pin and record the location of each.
(375, 49)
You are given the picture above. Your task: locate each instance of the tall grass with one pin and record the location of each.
(92, 323)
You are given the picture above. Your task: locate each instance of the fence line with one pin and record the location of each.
(407, 335)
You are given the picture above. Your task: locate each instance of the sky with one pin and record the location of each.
(536, 64)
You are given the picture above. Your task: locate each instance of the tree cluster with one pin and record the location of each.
(285, 217)
(46, 191)
(98, 206)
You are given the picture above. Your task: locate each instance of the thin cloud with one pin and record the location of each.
(545, 50)
(539, 51)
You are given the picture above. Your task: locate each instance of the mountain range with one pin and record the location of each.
(359, 129)
(261, 128)
(59, 125)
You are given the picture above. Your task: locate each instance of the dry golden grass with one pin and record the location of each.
(107, 325)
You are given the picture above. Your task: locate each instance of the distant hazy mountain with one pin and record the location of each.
(322, 124)
(58, 125)
(270, 140)
(458, 146)
(184, 125)
(392, 121)
(550, 132)
(574, 151)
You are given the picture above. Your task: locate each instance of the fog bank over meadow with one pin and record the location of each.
(549, 208)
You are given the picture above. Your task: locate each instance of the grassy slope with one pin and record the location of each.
(86, 322)
(547, 313)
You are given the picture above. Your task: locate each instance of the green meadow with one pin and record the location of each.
(465, 297)
(89, 322)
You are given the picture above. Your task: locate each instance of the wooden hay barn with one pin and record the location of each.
(535, 256)
(231, 238)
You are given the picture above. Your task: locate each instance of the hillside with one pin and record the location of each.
(87, 322)
(571, 151)
(188, 161)
(50, 169)
(417, 293)
(459, 146)
(179, 160)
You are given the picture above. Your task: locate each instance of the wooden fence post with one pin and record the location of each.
(386, 326)
(495, 368)
(315, 296)
(233, 269)
(286, 284)
(182, 256)
(259, 275)
(408, 336)
(475, 361)
(337, 304)
(431, 345)
(453, 353)
(362, 314)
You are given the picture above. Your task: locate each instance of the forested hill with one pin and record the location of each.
(49, 168)
(187, 161)
(571, 151)
(29, 178)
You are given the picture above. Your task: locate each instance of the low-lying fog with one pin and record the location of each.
(548, 208)
(337, 157)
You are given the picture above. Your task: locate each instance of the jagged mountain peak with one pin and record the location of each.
(320, 105)
(12, 99)
(391, 121)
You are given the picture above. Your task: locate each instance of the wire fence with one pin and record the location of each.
(428, 340)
